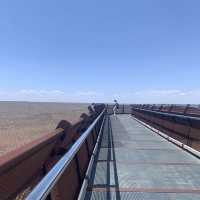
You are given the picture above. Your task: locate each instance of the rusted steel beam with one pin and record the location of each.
(183, 128)
(190, 110)
(51, 180)
(24, 167)
(19, 168)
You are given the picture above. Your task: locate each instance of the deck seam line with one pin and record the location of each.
(149, 190)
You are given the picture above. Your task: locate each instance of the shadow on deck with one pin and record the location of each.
(134, 163)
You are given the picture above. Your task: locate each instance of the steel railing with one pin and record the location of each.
(184, 128)
(43, 189)
(183, 109)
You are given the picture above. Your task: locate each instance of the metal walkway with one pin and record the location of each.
(135, 163)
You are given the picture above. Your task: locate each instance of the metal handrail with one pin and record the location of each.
(42, 190)
(169, 114)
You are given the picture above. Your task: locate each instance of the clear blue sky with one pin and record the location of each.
(145, 51)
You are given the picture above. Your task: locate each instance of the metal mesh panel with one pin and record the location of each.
(141, 165)
(141, 196)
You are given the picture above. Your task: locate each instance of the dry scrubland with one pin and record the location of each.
(22, 122)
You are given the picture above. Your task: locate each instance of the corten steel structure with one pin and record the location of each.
(110, 157)
(55, 176)
(22, 169)
(182, 122)
(134, 162)
(182, 109)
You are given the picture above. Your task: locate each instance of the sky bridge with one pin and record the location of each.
(133, 162)
(144, 152)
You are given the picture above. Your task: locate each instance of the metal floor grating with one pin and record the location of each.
(135, 163)
(140, 196)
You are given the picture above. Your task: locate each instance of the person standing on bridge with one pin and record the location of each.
(116, 107)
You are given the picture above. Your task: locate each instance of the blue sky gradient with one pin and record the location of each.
(145, 51)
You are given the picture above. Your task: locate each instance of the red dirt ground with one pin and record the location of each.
(22, 122)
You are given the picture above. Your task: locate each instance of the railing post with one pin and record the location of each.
(170, 108)
(189, 141)
(186, 109)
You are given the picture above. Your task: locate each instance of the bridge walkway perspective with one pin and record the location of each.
(133, 162)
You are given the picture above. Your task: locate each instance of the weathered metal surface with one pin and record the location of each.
(67, 169)
(183, 128)
(184, 109)
(133, 167)
(141, 196)
(22, 169)
(16, 168)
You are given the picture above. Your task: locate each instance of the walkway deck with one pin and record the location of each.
(135, 163)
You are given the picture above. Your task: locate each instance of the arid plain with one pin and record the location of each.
(22, 122)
